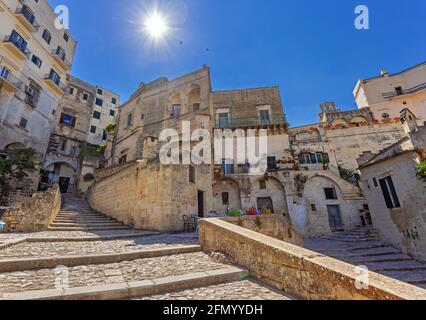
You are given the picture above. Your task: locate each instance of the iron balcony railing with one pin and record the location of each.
(7, 75)
(250, 121)
(22, 46)
(61, 56)
(55, 80)
(26, 12)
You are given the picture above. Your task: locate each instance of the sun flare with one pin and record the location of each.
(156, 25)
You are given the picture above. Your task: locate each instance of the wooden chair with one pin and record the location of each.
(188, 223)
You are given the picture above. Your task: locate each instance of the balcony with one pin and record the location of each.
(16, 46)
(247, 122)
(27, 18)
(54, 84)
(9, 82)
(61, 60)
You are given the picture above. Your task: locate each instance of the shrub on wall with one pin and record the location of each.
(88, 177)
(421, 171)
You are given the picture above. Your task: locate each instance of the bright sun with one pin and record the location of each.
(156, 25)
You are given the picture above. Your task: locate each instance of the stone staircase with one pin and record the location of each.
(76, 215)
(363, 247)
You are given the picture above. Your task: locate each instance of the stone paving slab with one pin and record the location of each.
(52, 249)
(92, 275)
(240, 290)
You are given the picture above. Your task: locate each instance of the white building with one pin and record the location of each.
(388, 94)
(35, 58)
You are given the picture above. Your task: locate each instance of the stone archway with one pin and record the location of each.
(59, 172)
(270, 188)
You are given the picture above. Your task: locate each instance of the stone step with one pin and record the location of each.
(378, 258)
(133, 289)
(88, 229)
(87, 225)
(416, 278)
(375, 252)
(60, 219)
(93, 215)
(351, 240)
(410, 265)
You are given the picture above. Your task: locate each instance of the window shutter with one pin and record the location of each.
(386, 194)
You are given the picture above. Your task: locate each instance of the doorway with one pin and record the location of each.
(201, 202)
(64, 184)
(265, 203)
(335, 218)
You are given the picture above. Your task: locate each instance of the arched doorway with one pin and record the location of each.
(270, 195)
(61, 173)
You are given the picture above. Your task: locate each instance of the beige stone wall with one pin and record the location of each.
(273, 225)
(403, 227)
(34, 214)
(151, 196)
(297, 271)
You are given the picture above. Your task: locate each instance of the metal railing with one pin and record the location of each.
(17, 44)
(61, 56)
(10, 77)
(250, 121)
(25, 11)
(56, 81)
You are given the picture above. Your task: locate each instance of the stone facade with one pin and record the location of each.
(34, 214)
(395, 195)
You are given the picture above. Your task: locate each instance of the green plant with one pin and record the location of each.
(234, 213)
(351, 176)
(421, 171)
(110, 129)
(88, 177)
(16, 165)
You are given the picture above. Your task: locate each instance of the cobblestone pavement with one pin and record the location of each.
(67, 234)
(82, 276)
(48, 249)
(242, 290)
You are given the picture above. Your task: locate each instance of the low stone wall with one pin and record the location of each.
(297, 271)
(273, 225)
(34, 214)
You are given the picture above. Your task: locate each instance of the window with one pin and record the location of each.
(192, 174)
(104, 136)
(313, 207)
(66, 37)
(114, 100)
(18, 41)
(123, 159)
(399, 91)
(314, 158)
(64, 145)
(385, 116)
(375, 182)
(196, 107)
(330, 193)
(262, 185)
(264, 117)
(130, 119)
(36, 60)
(97, 115)
(272, 164)
(143, 116)
(67, 120)
(71, 91)
(225, 198)
(112, 113)
(32, 95)
(223, 119)
(54, 76)
(85, 96)
(93, 129)
(99, 102)
(47, 36)
(23, 123)
(176, 111)
(61, 53)
(100, 92)
(4, 73)
(389, 193)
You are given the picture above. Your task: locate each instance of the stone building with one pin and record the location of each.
(388, 94)
(138, 189)
(395, 195)
(80, 129)
(35, 58)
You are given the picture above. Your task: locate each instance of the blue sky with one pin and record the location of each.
(309, 48)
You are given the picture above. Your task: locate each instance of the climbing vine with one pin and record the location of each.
(16, 165)
(421, 171)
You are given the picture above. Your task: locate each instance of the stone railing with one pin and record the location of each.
(297, 271)
(272, 225)
(101, 174)
(34, 214)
